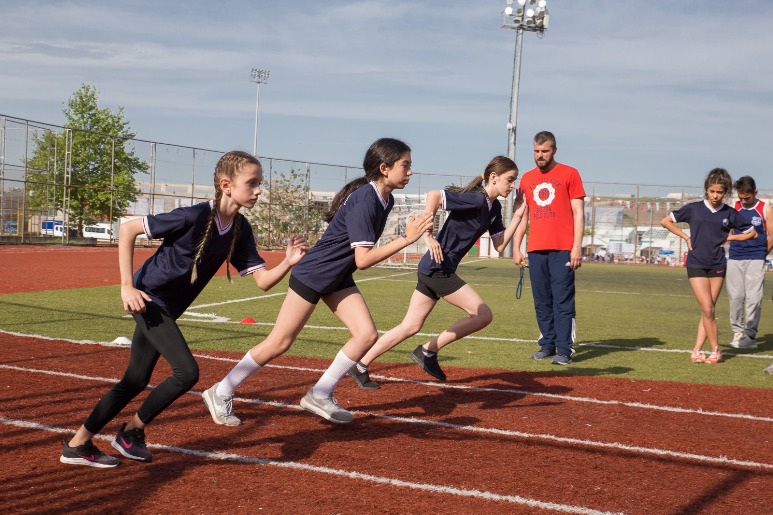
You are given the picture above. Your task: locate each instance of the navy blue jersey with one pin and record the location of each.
(472, 214)
(709, 228)
(756, 248)
(166, 275)
(359, 222)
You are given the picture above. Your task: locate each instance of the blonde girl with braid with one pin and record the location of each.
(357, 217)
(197, 240)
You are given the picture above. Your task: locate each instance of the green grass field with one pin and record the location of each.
(632, 322)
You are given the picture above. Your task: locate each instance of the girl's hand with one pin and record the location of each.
(689, 244)
(519, 203)
(435, 251)
(296, 249)
(133, 299)
(418, 225)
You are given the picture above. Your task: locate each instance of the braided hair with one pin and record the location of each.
(229, 166)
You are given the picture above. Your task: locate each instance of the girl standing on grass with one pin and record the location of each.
(474, 209)
(197, 240)
(710, 221)
(357, 218)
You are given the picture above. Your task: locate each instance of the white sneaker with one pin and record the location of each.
(736, 338)
(222, 410)
(768, 370)
(327, 408)
(744, 343)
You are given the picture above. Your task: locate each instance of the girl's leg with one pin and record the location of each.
(142, 360)
(479, 316)
(293, 315)
(349, 306)
(419, 309)
(716, 289)
(706, 292)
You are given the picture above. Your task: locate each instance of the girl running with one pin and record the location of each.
(474, 210)
(197, 240)
(710, 221)
(357, 218)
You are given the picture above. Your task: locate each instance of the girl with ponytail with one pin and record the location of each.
(474, 209)
(356, 219)
(197, 240)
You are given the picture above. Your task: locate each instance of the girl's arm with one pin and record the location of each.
(434, 199)
(296, 249)
(669, 224)
(743, 236)
(519, 207)
(366, 257)
(133, 299)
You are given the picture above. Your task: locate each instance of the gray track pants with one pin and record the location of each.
(744, 280)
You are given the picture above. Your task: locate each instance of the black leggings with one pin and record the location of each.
(156, 335)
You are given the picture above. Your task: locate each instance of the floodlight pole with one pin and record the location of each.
(258, 77)
(532, 16)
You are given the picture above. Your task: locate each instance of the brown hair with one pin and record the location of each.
(229, 166)
(718, 176)
(383, 151)
(499, 165)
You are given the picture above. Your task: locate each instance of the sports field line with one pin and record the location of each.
(279, 294)
(294, 465)
(593, 444)
(445, 385)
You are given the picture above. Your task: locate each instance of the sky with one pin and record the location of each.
(636, 92)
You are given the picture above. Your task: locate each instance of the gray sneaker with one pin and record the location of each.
(744, 342)
(327, 408)
(560, 359)
(544, 353)
(222, 410)
(768, 370)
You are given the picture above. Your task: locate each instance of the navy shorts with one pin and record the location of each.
(707, 272)
(313, 296)
(439, 284)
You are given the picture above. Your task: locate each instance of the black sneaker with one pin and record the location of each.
(428, 364)
(87, 454)
(362, 379)
(132, 444)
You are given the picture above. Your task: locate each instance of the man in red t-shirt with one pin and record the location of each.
(554, 208)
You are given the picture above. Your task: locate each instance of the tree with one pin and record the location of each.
(285, 209)
(102, 163)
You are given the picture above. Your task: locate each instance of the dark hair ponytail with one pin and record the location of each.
(499, 165)
(385, 151)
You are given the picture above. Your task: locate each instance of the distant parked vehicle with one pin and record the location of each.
(54, 228)
(99, 231)
(10, 227)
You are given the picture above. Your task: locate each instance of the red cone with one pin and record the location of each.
(248, 320)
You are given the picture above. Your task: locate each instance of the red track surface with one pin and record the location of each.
(488, 441)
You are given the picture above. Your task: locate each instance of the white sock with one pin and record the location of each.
(238, 374)
(327, 383)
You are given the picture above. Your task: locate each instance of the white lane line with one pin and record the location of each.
(721, 460)
(294, 465)
(638, 405)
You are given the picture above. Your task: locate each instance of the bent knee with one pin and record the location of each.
(484, 315)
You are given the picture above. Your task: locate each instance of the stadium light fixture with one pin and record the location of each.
(258, 77)
(521, 16)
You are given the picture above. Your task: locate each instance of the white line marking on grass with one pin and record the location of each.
(721, 460)
(278, 294)
(294, 465)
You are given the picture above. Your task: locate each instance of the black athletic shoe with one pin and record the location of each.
(132, 444)
(428, 364)
(362, 379)
(87, 454)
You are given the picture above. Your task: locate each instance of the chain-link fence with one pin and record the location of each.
(39, 196)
